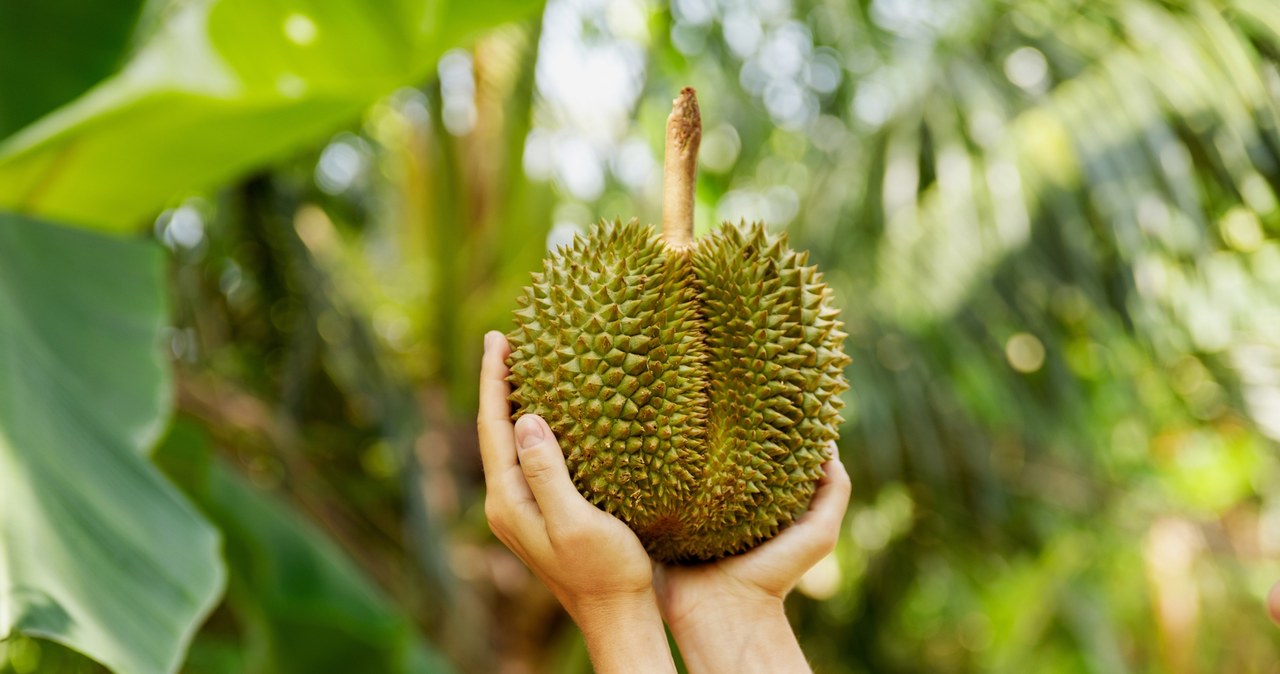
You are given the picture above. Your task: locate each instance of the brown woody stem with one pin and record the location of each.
(684, 133)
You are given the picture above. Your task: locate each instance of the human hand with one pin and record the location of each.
(728, 615)
(764, 575)
(591, 561)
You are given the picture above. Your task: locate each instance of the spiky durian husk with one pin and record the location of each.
(693, 391)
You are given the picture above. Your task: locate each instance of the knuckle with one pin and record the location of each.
(495, 512)
(536, 466)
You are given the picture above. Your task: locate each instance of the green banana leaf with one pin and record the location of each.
(222, 87)
(97, 550)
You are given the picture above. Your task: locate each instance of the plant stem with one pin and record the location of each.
(684, 133)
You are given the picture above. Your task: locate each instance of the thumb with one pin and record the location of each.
(544, 469)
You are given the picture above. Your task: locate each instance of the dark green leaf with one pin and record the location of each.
(53, 50)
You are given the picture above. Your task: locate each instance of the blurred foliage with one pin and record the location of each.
(97, 551)
(1052, 225)
(306, 607)
(220, 87)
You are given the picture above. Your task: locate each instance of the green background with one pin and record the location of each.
(248, 249)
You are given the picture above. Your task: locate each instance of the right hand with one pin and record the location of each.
(727, 616)
(761, 577)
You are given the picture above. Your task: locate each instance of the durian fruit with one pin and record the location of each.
(693, 385)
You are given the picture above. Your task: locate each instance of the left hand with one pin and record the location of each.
(591, 561)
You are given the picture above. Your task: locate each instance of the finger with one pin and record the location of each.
(815, 533)
(497, 444)
(833, 454)
(1273, 603)
(533, 555)
(515, 519)
(544, 469)
(523, 533)
(831, 499)
(515, 488)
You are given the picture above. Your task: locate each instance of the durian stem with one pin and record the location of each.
(684, 133)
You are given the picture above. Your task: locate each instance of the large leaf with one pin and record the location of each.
(304, 606)
(224, 86)
(97, 550)
(52, 51)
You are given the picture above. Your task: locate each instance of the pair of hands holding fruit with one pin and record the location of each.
(726, 616)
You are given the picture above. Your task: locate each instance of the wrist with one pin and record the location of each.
(741, 635)
(600, 607)
(721, 608)
(623, 632)
(601, 610)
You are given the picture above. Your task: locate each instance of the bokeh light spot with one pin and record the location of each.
(720, 147)
(300, 29)
(823, 580)
(1241, 230)
(1027, 68)
(1025, 352)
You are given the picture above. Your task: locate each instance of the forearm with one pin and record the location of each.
(626, 637)
(743, 639)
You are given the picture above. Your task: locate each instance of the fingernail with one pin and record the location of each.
(529, 431)
(491, 340)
